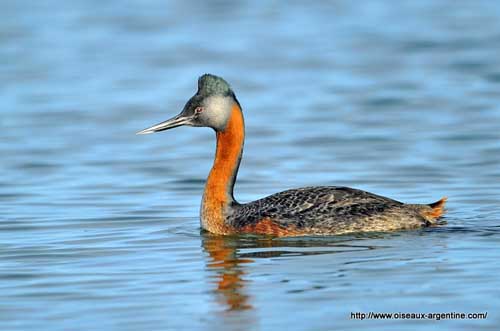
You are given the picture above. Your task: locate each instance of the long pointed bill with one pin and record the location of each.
(168, 124)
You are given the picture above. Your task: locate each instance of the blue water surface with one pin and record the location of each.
(99, 228)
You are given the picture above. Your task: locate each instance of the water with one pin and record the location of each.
(99, 227)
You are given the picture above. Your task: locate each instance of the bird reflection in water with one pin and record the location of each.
(229, 269)
(228, 262)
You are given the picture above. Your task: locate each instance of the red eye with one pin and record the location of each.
(198, 110)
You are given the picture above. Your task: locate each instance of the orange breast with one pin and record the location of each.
(269, 227)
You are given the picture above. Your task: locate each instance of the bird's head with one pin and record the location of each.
(211, 106)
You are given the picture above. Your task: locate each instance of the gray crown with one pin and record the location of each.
(213, 85)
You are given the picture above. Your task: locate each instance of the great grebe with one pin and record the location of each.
(320, 210)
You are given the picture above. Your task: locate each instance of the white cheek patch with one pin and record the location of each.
(217, 111)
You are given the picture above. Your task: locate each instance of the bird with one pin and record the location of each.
(307, 211)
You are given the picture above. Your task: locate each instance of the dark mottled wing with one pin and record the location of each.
(312, 207)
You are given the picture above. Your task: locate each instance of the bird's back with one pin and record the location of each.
(326, 210)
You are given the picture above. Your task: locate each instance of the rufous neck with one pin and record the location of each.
(230, 142)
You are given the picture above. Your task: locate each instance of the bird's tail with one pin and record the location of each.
(435, 210)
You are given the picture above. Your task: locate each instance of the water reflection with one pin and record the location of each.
(229, 257)
(229, 271)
